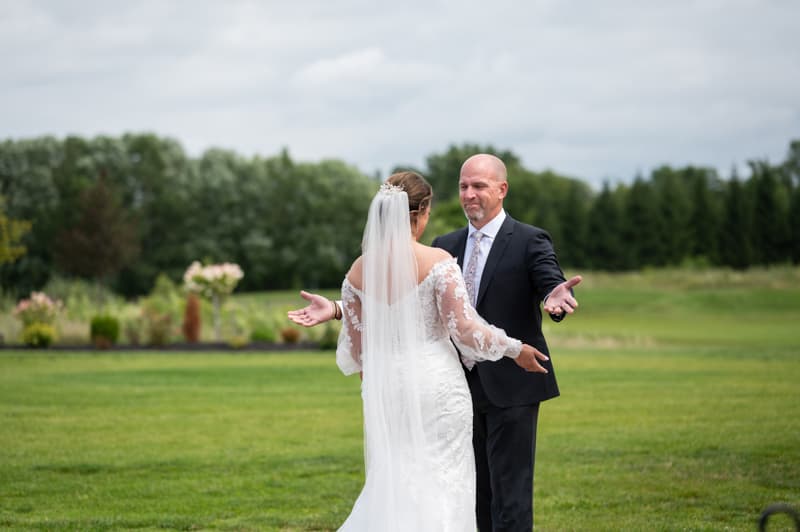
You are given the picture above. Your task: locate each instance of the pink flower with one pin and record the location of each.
(38, 308)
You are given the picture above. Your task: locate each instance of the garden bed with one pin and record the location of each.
(182, 347)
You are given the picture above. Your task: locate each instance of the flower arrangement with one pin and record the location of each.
(39, 308)
(213, 282)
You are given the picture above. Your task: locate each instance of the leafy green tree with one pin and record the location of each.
(156, 190)
(26, 181)
(292, 224)
(446, 216)
(11, 233)
(317, 222)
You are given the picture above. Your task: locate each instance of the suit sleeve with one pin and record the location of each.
(543, 268)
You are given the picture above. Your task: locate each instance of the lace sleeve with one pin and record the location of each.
(476, 339)
(348, 350)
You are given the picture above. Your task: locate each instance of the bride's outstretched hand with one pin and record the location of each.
(529, 358)
(319, 310)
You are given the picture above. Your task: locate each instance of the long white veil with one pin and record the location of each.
(395, 447)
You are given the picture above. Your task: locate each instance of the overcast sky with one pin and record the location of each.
(591, 89)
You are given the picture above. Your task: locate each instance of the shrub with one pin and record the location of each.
(290, 335)
(165, 297)
(104, 331)
(191, 319)
(37, 309)
(160, 309)
(236, 322)
(38, 335)
(238, 341)
(263, 332)
(72, 331)
(330, 337)
(159, 327)
(82, 298)
(133, 330)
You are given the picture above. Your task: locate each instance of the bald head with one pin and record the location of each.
(482, 186)
(485, 164)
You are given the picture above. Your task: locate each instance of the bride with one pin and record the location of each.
(404, 305)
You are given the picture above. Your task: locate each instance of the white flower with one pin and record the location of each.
(211, 280)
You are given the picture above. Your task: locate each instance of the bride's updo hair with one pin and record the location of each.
(420, 192)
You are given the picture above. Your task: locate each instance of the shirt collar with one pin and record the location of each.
(492, 228)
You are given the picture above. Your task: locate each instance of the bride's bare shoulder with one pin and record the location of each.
(432, 252)
(428, 257)
(354, 275)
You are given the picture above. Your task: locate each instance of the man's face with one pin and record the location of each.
(481, 194)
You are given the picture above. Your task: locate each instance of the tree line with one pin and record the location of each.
(121, 210)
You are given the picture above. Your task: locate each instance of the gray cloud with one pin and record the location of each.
(594, 90)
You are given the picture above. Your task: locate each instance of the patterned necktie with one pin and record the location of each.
(470, 274)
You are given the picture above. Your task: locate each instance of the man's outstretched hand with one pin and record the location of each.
(560, 300)
(319, 310)
(529, 357)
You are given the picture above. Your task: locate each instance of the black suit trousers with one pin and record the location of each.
(504, 440)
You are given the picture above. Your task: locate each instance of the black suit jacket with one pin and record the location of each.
(520, 271)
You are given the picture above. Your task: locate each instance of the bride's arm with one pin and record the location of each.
(476, 339)
(348, 350)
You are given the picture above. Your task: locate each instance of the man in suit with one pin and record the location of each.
(510, 268)
(515, 269)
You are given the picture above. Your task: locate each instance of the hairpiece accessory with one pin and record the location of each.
(388, 188)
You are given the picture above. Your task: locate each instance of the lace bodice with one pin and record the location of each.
(445, 313)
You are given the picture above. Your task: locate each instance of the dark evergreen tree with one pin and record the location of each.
(794, 226)
(103, 239)
(673, 213)
(704, 218)
(605, 247)
(736, 248)
(770, 215)
(642, 226)
(574, 212)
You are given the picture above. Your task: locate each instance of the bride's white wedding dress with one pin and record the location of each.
(420, 480)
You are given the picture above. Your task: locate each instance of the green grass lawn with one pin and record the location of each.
(680, 410)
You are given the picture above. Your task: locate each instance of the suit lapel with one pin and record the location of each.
(495, 254)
